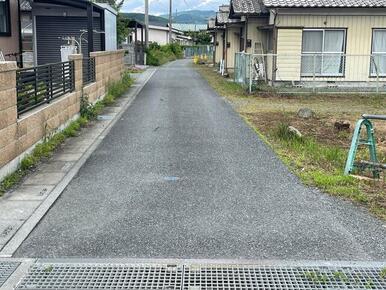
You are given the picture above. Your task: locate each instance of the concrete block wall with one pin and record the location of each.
(19, 135)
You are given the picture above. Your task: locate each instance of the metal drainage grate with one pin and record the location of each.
(102, 276)
(200, 277)
(6, 270)
(249, 277)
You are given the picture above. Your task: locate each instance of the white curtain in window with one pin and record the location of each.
(378, 64)
(333, 42)
(312, 41)
(379, 41)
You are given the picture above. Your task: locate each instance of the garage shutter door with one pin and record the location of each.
(50, 30)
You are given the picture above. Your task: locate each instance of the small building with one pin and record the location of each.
(254, 16)
(227, 37)
(328, 41)
(35, 31)
(158, 34)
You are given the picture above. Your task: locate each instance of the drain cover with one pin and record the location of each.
(102, 276)
(249, 277)
(6, 270)
(200, 277)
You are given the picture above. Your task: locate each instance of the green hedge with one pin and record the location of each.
(161, 54)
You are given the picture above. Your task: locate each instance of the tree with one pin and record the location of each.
(200, 37)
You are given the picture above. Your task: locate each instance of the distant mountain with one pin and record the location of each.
(153, 20)
(188, 17)
(192, 16)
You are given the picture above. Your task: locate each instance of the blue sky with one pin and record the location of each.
(161, 6)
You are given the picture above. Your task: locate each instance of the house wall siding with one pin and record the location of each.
(234, 40)
(358, 39)
(289, 43)
(219, 47)
(256, 36)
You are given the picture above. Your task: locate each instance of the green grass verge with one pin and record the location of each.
(45, 149)
(317, 164)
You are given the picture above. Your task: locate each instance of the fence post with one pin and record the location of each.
(8, 114)
(377, 72)
(314, 74)
(78, 70)
(250, 73)
(51, 92)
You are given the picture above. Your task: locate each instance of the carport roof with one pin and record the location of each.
(73, 3)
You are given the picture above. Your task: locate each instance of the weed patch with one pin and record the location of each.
(160, 54)
(318, 156)
(45, 149)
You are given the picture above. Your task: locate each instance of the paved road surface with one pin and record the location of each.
(182, 176)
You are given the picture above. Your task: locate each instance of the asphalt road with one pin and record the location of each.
(182, 176)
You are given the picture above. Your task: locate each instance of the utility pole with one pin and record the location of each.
(170, 21)
(146, 23)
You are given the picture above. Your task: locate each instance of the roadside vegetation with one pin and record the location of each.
(318, 154)
(160, 54)
(44, 150)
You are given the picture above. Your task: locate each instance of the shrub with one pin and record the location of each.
(161, 54)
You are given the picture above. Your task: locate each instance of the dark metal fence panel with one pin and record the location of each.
(88, 70)
(38, 85)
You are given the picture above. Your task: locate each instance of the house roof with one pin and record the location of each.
(246, 7)
(211, 23)
(326, 3)
(222, 17)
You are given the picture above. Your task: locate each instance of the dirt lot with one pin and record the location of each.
(320, 164)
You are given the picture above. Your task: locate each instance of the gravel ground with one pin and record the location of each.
(182, 176)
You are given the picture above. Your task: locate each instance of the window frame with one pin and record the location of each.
(322, 53)
(8, 20)
(374, 75)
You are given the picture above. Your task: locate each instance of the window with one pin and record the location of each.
(378, 52)
(323, 52)
(5, 28)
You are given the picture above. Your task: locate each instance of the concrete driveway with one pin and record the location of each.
(182, 176)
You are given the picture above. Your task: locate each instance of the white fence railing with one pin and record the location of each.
(327, 72)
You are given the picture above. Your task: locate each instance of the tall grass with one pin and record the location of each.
(160, 54)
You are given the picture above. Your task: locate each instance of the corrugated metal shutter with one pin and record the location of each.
(50, 30)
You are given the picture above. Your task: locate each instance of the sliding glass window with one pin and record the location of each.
(323, 52)
(378, 53)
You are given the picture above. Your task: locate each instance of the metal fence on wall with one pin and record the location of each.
(88, 70)
(38, 85)
(199, 50)
(311, 72)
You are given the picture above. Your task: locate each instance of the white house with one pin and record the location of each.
(160, 34)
